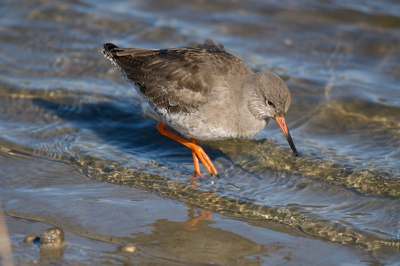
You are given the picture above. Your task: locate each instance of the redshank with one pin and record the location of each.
(204, 93)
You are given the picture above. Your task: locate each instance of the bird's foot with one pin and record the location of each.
(197, 151)
(204, 159)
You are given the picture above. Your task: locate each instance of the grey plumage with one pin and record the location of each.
(178, 79)
(204, 92)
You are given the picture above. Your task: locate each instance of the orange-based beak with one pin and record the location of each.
(282, 124)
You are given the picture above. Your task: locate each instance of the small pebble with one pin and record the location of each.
(52, 236)
(288, 42)
(29, 239)
(129, 248)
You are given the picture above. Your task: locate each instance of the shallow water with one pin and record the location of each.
(63, 103)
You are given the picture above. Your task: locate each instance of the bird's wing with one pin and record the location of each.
(178, 79)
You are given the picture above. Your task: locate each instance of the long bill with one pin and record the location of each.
(282, 124)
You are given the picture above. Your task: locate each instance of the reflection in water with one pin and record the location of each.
(211, 244)
(51, 254)
(5, 247)
(201, 215)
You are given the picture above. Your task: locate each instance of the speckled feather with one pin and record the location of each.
(180, 79)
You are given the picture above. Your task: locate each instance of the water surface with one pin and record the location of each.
(62, 103)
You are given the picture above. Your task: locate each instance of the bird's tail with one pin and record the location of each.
(107, 50)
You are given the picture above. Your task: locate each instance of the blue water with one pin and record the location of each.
(62, 100)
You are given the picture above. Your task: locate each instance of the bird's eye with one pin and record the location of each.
(270, 103)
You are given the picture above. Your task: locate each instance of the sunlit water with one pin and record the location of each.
(61, 99)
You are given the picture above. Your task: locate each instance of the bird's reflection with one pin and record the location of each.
(197, 240)
(196, 216)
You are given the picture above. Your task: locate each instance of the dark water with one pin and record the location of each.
(61, 101)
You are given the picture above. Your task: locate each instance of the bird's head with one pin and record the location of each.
(269, 97)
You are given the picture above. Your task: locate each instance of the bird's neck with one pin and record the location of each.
(248, 124)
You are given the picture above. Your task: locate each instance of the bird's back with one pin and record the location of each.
(178, 79)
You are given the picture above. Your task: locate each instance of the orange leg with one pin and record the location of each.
(195, 160)
(196, 150)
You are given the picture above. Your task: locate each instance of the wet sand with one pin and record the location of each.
(98, 218)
